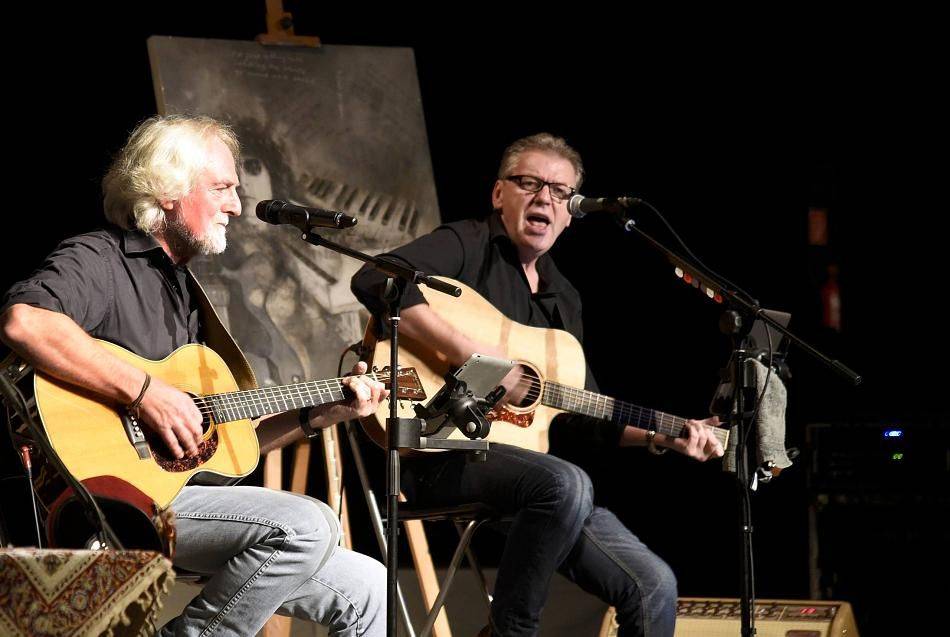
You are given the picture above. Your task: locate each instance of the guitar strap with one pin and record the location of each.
(220, 340)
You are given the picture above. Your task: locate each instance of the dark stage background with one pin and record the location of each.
(733, 133)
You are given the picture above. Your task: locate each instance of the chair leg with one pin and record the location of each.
(377, 521)
(476, 568)
(465, 540)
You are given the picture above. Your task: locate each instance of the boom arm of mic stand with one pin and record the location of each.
(748, 306)
(387, 266)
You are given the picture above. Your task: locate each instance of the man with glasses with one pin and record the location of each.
(555, 526)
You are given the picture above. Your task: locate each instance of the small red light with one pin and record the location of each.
(808, 611)
(718, 298)
(688, 278)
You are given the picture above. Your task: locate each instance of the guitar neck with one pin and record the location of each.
(254, 403)
(588, 403)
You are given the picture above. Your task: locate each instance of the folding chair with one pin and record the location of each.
(467, 518)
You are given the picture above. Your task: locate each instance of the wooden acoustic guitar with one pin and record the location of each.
(555, 369)
(94, 438)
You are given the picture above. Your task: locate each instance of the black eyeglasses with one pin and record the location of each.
(534, 185)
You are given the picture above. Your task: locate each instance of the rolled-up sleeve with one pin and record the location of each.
(75, 280)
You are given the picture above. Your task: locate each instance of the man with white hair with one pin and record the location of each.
(169, 196)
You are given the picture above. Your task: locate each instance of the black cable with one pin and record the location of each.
(758, 403)
(768, 375)
(36, 513)
(355, 347)
(15, 399)
(746, 492)
(27, 466)
(699, 261)
(689, 252)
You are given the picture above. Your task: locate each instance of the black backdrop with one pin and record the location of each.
(731, 130)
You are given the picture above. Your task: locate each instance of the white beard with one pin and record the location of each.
(184, 241)
(215, 240)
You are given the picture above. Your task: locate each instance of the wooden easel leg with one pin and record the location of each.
(273, 470)
(333, 466)
(425, 572)
(276, 626)
(298, 483)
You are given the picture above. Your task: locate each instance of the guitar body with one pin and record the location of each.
(554, 355)
(90, 437)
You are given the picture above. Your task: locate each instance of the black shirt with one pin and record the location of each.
(480, 254)
(119, 286)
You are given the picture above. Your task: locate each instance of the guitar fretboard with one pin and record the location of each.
(588, 403)
(254, 403)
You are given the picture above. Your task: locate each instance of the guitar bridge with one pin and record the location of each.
(136, 436)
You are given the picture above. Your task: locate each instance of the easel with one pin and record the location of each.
(280, 32)
(280, 28)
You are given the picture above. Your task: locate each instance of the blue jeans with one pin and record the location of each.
(555, 527)
(269, 551)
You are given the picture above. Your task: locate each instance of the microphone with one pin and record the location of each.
(280, 212)
(579, 205)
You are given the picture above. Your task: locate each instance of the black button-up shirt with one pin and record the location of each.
(119, 286)
(479, 254)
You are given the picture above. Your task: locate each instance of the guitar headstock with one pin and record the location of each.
(410, 385)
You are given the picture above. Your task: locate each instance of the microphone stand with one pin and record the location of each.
(401, 433)
(737, 321)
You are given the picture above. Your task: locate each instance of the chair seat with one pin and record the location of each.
(471, 511)
(182, 575)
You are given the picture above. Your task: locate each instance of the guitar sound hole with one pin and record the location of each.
(204, 408)
(528, 390)
(168, 462)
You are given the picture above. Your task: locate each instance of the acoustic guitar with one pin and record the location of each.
(95, 438)
(553, 361)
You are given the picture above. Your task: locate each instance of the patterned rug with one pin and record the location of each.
(60, 592)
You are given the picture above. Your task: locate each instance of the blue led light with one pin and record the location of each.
(893, 433)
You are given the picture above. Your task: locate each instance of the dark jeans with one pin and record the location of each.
(555, 527)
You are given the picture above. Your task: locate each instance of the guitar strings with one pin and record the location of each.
(626, 412)
(266, 396)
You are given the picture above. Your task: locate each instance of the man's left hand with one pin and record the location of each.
(699, 442)
(366, 396)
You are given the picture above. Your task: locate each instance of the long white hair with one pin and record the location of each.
(161, 161)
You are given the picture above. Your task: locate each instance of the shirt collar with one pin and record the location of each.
(551, 281)
(136, 242)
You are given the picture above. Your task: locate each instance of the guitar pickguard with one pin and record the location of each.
(206, 449)
(503, 414)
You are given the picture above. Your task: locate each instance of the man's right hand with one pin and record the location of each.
(173, 415)
(422, 324)
(55, 344)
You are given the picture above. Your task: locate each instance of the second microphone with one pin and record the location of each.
(280, 212)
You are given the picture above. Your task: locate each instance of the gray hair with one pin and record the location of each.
(543, 142)
(161, 161)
